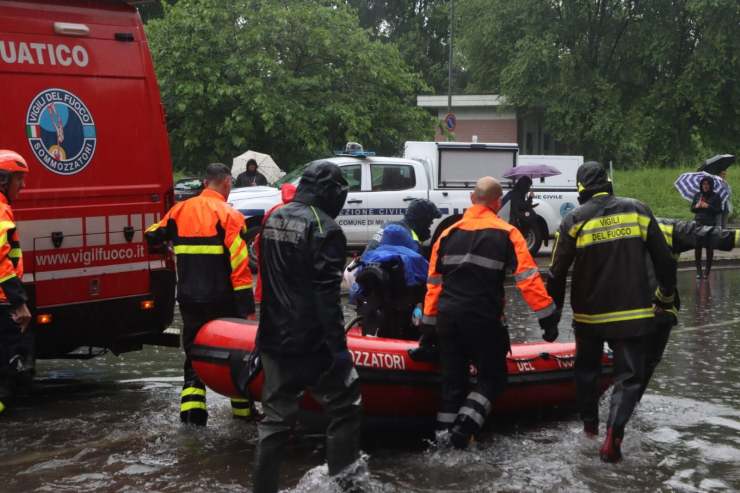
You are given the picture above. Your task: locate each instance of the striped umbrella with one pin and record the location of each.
(688, 184)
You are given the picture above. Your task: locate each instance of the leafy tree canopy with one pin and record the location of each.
(293, 78)
(638, 82)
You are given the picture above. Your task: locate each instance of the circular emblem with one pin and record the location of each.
(61, 131)
(450, 121)
(566, 208)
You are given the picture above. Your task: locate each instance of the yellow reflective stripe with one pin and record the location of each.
(621, 316)
(667, 230)
(192, 391)
(2, 407)
(321, 229)
(199, 249)
(246, 412)
(662, 297)
(241, 288)
(6, 225)
(153, 227)
(238, 400)
(235, 245)
(573, 231)
(239, 258)
(415, 236)
(9, 276)
(15, 253)
(614, 227)
(187, 406)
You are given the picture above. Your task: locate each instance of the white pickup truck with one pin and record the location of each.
(381, 187)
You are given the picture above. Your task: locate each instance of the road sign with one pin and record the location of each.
(450, 121)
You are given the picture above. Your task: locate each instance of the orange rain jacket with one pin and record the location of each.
(208, 236)
(11, 258)
(468, 266)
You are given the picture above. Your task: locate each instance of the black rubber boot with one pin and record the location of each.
(611, 450)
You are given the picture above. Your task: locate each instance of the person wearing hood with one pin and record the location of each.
(520, 203)
(251, 177)
(301, 336)
(417, 220)
(608, 239)
(707, 207)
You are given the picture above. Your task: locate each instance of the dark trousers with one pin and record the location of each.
(462, 342)
(629, 371)
(655, 344)
(336, 388)
(12, 355)
(193, 396)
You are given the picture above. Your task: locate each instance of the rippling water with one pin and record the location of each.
(112, 424)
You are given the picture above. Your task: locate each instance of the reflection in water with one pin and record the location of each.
(112, 424)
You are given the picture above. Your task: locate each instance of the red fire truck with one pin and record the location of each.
(79, 100)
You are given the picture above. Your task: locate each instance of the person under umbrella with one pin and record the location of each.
(707, 207)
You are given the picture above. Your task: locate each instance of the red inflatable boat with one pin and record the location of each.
(393, 385)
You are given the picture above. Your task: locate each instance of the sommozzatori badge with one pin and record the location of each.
(61, 131)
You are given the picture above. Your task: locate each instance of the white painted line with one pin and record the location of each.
(91, 271)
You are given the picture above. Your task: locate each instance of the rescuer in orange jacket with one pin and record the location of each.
(14, 313)
(465, 301)
(213, 276)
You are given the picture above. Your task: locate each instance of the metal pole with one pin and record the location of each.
(449, 62)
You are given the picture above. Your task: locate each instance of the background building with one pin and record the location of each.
(487, 117)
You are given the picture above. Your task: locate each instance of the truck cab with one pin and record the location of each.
(80, 102)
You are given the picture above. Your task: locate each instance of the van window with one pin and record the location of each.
(353, 174)
(387, 177)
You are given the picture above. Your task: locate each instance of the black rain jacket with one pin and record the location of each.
(302, 256)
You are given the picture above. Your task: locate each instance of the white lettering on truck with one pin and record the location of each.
(43, 54)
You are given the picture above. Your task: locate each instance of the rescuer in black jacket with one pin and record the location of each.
(301, 333)
(681, 236)
(608, 238)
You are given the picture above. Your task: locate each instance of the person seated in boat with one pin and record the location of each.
(389, 285)
(417, 221)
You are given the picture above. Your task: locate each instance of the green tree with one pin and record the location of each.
(420, 29)
(294, 78)
(638, 82)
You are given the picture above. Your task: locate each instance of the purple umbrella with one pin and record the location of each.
(532, 171)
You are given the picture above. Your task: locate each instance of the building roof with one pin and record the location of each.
(461, 100)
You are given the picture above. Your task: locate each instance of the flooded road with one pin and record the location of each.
(112, 424)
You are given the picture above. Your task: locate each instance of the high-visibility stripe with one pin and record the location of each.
(239, 258)
(526, 274)
(471, 258)
(199, 249)
(9, 276)
(2, 407)
(244, 413)
(435, 280)
(473, 414)
(236, 245)
(446, 417)
(545, 312)
(426, 319)
(153, 227)
(321, 229)
(5, 225)
(621, 316)
(245, 286)
(238, 401)
(662, 297)
(192, 391)
(415, 236)
(619, 231)
(480, 399)
(15, 253)
(188, 406)
(667, 230)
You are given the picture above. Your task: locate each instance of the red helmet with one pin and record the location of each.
(12, 162)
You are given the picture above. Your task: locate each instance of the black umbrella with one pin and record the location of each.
(717, 164)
